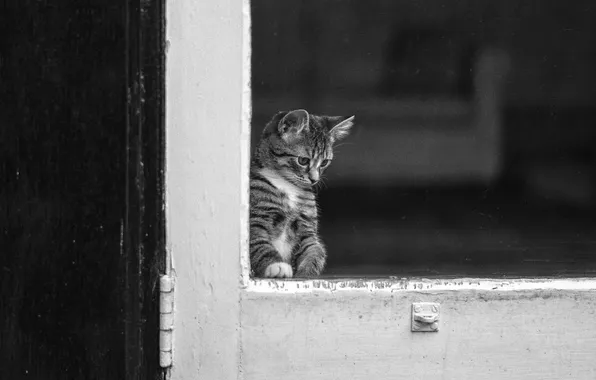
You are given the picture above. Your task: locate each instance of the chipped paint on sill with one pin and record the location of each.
(417, 285)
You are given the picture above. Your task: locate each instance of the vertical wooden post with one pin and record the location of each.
(206, 173)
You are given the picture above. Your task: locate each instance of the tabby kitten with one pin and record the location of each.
(295, 148)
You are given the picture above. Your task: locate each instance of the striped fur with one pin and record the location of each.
(294, 151)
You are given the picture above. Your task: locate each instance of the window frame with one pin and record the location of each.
(446, 282)
(218, 307)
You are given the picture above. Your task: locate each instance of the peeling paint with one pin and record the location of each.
(417, 284)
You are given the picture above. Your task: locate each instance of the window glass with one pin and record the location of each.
(473, 148)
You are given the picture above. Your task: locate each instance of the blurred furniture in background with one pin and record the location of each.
(419, 139)
(424, 140)
(426, 89)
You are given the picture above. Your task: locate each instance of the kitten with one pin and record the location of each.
(295, 148)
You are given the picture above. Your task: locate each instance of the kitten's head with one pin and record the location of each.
(299, 145)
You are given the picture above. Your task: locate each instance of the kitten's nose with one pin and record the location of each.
(313, 175)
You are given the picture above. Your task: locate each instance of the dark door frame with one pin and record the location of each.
(143, 242)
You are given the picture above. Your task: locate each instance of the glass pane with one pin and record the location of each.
(473, 149)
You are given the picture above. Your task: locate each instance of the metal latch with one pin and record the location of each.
(425, 316)
(166, 320)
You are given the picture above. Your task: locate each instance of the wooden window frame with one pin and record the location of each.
(207, 164)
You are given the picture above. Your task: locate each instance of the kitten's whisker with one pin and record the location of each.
(322, 183)
(342, 144)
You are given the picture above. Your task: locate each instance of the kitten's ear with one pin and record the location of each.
(294, 122)
(341, 127)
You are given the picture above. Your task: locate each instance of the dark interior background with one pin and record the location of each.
(535, 216)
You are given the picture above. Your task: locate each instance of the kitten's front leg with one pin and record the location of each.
(311, 257)
(265, 261)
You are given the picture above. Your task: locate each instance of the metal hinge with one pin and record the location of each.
(166, 320)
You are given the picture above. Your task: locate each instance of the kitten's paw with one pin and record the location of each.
(278, 270)
(309, 270)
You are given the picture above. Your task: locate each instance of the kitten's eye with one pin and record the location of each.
(303, 161)
(324, 163)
